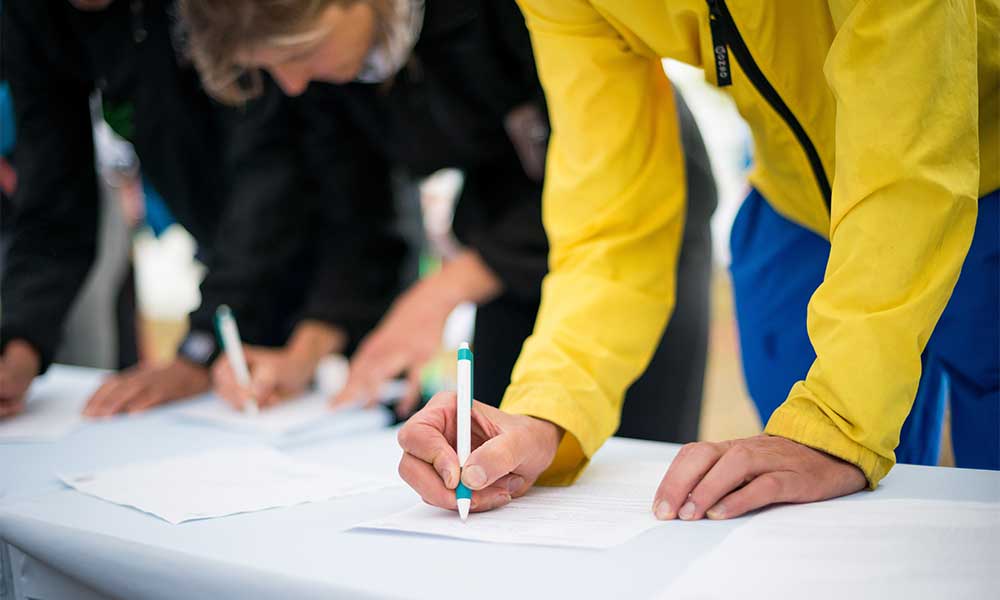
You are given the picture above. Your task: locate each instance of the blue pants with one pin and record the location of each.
(776, 267)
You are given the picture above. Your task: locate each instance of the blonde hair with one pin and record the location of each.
(217, 31)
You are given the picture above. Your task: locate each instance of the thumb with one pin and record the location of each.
(491, 461)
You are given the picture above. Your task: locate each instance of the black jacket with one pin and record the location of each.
(304, 237)
(54, 57)
(471, 66)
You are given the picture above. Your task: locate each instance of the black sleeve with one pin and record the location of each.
(262, 230)
(360, 252)
(508, 35)
(54, 220)
(500, 216)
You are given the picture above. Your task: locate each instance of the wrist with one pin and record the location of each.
(192, 378)
(467, 278)
(548, 434)
(311, 341)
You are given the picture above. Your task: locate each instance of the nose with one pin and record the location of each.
(292, 81)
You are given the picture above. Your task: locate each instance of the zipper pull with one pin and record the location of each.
(723, 76)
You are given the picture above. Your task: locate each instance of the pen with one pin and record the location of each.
(229, 336)
(463, 410)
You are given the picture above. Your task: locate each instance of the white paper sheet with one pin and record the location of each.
(54, 405)
(308, 411)
(608, 505)
(879, 549)
(221, 482)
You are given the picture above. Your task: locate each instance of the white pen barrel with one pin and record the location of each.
(234, 349)
(464, 411)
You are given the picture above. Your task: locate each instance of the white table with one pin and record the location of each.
(65, 544)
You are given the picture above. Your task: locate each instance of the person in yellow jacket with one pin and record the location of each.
(877, 127)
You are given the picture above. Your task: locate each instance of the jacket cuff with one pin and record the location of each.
(581, 440)
(800, 420)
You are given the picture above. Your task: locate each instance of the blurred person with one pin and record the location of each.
(55, 55)
(447, 84)
(877, 139)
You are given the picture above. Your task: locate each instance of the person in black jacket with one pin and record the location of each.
(55, 55)
(452, 84)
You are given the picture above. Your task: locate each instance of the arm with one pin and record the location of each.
(55, 208)
(613, 208)
(903, 216)
(499, 219)
(265, 217)
(359, 252)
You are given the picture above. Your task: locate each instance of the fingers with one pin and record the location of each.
(427, 482)
(687, 469)
(11, 385)
(769, 488)
(424, 437)
(411, 397)
(737, 466)
(116, 398)
(100, 403)
(146, 399)
(373, 364)
(224, 382)
(496, 458)
(11, 406)
(264, 384)
(729, 479)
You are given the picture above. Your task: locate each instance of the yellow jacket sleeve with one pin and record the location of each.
(903, 73)
(613, 210)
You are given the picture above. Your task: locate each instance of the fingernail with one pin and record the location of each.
(514, 484)
(687, 511)
(474, 477)
(717, 512)
(662, 511)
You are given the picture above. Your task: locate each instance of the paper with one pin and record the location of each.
(608, 505)
(221, 482)
(54, 405)
(910, 549)
(291, 416)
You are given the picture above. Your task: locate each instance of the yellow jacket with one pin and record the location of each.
(875, 125)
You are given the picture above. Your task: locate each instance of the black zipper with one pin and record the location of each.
(725, 37)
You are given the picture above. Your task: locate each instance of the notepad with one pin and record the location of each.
(914, 549)
(54, 405)
(220, 483)
(290, 417)
(609, 505)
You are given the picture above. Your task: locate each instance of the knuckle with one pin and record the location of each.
(687, 450)
(740, 454)
(405, 436)
(770, 485)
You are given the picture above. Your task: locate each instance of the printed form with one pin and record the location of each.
(609, 505)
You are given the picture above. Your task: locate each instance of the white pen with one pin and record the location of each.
(229, 335)
(463, 412)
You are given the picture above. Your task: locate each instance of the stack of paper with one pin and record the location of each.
(608, 506)
(221, 482)
(861, 548)
(54, 405)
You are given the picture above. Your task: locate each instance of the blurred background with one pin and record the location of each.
(166, 274)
